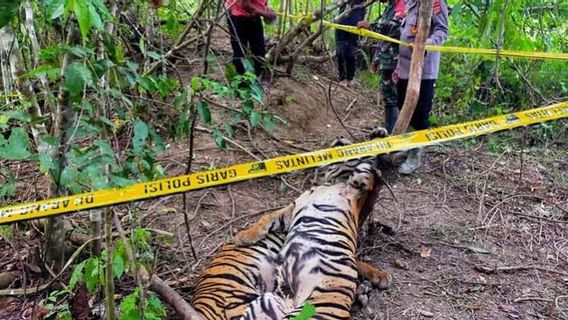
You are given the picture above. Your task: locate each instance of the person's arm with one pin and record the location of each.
(266, 12)
(440, 29)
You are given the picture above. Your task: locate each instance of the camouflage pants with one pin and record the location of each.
(388, 89)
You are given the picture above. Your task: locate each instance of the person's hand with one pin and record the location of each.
(363, 24)
(269, 15)
(394, 76)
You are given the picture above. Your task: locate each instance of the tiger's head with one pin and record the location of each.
(368, 181)
(341, 171)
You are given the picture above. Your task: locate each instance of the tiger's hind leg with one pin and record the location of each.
(376, 276)
(275, 221)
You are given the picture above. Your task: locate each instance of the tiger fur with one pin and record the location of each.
(240, 279)
(237, 276)
(319, 264)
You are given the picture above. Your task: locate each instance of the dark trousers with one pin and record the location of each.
(346, 52)
(247, 34)
(420, 117)
(388, 88)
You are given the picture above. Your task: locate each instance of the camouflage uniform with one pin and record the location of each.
(386, 60)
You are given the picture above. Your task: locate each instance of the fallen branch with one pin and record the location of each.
(329, 100)
(496, 269)
(530, 217)
(523, 299)
(236, 144)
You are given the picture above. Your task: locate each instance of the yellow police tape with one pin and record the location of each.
(279, 165)
(479, 51)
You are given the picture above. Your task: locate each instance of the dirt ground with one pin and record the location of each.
(479, 234)
(476, 238)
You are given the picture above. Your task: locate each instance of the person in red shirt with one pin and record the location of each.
(247, 32)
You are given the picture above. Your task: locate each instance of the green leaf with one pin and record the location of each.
(55, 8)
(77, 76)
(159, 146)
(83, 16)
(255, 118)
(257, 93)
(16, 147)
(118, 181)
(154, 55)
(195, 83)
(203, 110)
(7, 187)
(93, 273)
(95, 17)
(248, 65)
(154, 308)
(230, 72)
(306, 313)
(67, 178)
(128, 307)
(19, 115)
(102, 8)
(8, 9)
(117, 265)
(228, 129)
(141, 132)
(77, 275)
(47, 162)
(248, 107)
(218, 137)
(268, 121)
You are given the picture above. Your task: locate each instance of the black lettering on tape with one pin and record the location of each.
(538, 114)
(216, 176)
(443, 134)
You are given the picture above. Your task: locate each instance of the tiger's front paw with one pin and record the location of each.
(378, 132)
(380, 279)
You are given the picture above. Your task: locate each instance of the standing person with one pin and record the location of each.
(247, 32)
(386, 57)
(347, 43)
(439, 32)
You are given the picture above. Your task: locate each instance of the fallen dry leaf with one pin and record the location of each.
(425, 252)
(401, 264)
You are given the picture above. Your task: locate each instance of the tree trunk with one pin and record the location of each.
(416, 64)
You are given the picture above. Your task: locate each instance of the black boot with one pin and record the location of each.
(391, 114)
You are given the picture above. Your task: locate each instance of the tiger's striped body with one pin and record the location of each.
(237, 276)
(240, 281)
(318, 259)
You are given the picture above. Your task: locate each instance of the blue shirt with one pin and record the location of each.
(439, 32)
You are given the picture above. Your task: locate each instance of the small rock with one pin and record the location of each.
(401, 264)
(425, 313)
